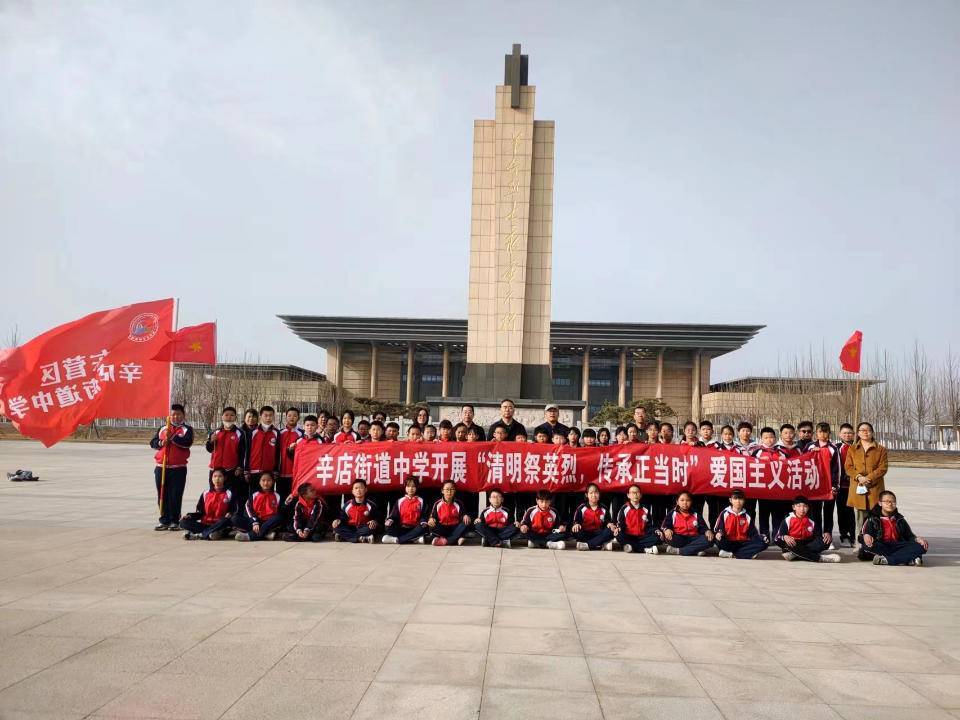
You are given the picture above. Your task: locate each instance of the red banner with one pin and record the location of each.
(527, 467)
(98, 366)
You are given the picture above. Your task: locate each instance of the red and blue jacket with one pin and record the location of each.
(689, 524)
(800, 529)
(263, 506)
(887, 529)
(788, 451)
(354, 514)
(177, 451)
(226, 448)
(496, 518)
(409, 511)
(346, 436)
(307, 514)
(447, 513)
(263, 450)
(835, 466)
(288, 439)
(634, 521)
(736, 527)
(768, 453)
(214, 505)
(589, 518)
(541, 522)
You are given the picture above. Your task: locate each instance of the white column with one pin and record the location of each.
(585, 387)
(410, 362)
(622, 388)
(660, 374)
(695, 400)
(373, 370)
(445, 385)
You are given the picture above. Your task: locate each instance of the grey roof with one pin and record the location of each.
(798, 384)
(324, 331)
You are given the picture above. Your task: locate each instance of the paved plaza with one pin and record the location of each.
(100, 616)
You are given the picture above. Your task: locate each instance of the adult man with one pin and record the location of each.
(506, 421)
(846, 521)
(172, 444)
(640, 417)
(805, 435)
(552, 424)
(466, 417)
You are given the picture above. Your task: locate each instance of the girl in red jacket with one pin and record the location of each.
(592, 528)
(684, 529)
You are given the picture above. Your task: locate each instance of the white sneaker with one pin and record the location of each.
(421, 540)
(505, 544)
(880, 560)
(725, 554)
(830, 558)
(582, 546)
(389, 539)
(702, 553)
(628, 548)
(557, 545)
(241, 537)
(652, 550)
(832, 546)
(671, 550)
(531, 544)
(368, 539)
(918, 562)
(610, 546)
(483, 542)
(787, 555)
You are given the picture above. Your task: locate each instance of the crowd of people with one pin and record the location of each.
(250, 495)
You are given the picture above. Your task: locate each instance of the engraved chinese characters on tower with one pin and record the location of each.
(508, 327)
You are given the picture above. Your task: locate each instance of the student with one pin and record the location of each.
(346, 434)
(446, 431)
(214, 514)
(725, 444)
(804, 435)
(307, 515)
(559, 437)
(493, 525)
(263, 449)
(448, 520)
(846, 520)
(459, 432)
(392, 432)
(745, 442)
(887, 536)
(357, 521)
(706, 434)
(264, 517)
(251, 420)
(603, 437)
(407, 521)
(573, 437)
(666, 434)
(684, 530)
(380, 417)
(541, 438)
(322, 418)
(591, 526)
(620, 435)
(770, 517)
(589, 437)
(329, 428)
(799, 536)
(309, 435)
(227, 447)
(414, 433)
(652, 431)
(690, 434)
(727, 441)
(288, 439)
(735, 533)
(521, 437)
(377, 431)
(633, 433)
(787, 445)
(822, 510)
(429, 434)
(173, 451)
(473, 435)
(541, 525)
(363, 431)
(499, 434)
(635, 530)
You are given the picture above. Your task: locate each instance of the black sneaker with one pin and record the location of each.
(160, 526)
(173, 527)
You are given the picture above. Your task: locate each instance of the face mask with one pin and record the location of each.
(265, 426)
(228, 425)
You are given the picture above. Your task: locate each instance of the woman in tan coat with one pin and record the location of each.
(866, 466)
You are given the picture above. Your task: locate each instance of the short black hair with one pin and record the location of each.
(251, 411)
(846, 426)
(726, 427)
(363, 422)
(544, 495)
(474, 430)
(348, 413)
(575, 430)
(805, 424)
(744, 425)
(267, 408)
(311, 418)
(823, 427)
(377, 423)
(446, 424)
(359, 480)
(588, 432)
(448, 482)
(229, 408)
(467, 405)
(738, 494)
(496, 490)
(303, 489)
(654, 423)
(787, 426)
(891, 493)
(767, 429)
(559, 433)
(706, 423)
(296, 410)
(666, 425)
(800, 499)
(393, 425)
(688, 423)
(178, 407)
(509, 401)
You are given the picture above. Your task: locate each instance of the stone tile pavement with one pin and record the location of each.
(100, 617)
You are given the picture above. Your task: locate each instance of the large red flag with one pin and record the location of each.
(98, 366)
(850, 353)
(194, 344)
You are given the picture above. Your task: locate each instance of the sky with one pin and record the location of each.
(789, 164)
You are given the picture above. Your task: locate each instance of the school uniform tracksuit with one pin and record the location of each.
(354, 517)
(541, 526)
(214, 514)
(593, 526)
(636, 528)
(263, 509)
(263, 455)
(806, 531)
(737, 534)
(227, 448)
(770, 512)
(494, 526)
(306, 518)
(448, 519)
(689, 532)
(892, 539)
(288, 440)
(173, 482)
(409, 519)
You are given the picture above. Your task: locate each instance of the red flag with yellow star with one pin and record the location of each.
(850, 353)
(194, 344)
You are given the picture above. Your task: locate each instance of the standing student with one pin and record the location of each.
(800, 536)
(573, 437)
(633, 433)
(445, 431)
(745, 442)
(822, 510)
(768, 450)
(735, 532)
(591, 525)
(263, 449)
(690, 435)
(227, 447)
(635, 529)
(173, 452)
(888, 537)
(307, 516)
(376, 431)
(429, 434)
(684, 530)
(620, 436)
(866, 466)
(459, 432)
(706, 433)
(214, 513)
(603, 437)
(289, 436)
(448, 519)
(541, 525)
(652, 432)
(494, 525)
(380, 417)
(589, 437)
(846, 522)
(329, 429)
(363, 431)
(358, 517)
(264, 517)
(392, 432)
(666, 433)
(251, 419)
(513, 426)
(346, 434)
(407, 522)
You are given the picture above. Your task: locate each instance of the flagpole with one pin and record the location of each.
(856, 403)
(166, 446)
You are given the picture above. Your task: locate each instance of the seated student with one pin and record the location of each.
(407, 521)
(307, 516)
(346, 434)
(429, 434)
(494, 525)
(589, 438)
(887, 536)
(541, 526)
(635, 530)
(214, 514)
(800, 537)
(358, 517)
(591, 526)
(264, 517)
(448, 520)
(684, 530)
(736, 535)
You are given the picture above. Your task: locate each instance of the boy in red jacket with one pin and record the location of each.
(214, 512)
(263, 449)
(635, 530)
(357, 521)
(288, 438)
(494, 526)
(448, 518)
(800, 536)
(407, 522)
(264, 517)
(306, 516)
(591, 527)
(541, 525)
(174, 452)
(888, 536)
(737, 536)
